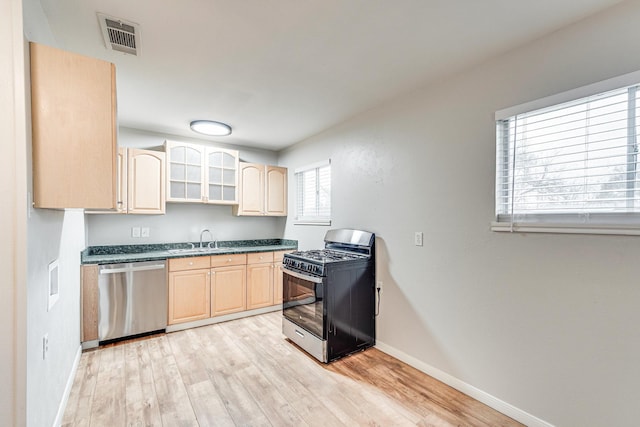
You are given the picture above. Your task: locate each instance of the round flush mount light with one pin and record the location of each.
(211, 128)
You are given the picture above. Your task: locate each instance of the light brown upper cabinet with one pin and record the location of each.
(121, 182)
(145, 181)
(141, 182)
(73, 108)
(201, 174)
(263, 190)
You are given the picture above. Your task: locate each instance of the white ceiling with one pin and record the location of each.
(280, 71)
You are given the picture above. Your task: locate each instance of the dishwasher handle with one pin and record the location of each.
(131, 269)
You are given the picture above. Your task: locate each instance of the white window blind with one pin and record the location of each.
(313, 193)
(571, 163)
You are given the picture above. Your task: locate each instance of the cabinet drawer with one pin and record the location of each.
(279, 256)
(224, 260)
(259, 257)
(194, 263)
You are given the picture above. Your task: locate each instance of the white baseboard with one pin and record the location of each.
(489, 400)
(67, 390)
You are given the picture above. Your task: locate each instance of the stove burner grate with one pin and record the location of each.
(326, 255)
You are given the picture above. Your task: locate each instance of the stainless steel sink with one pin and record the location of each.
(205, 250)
(189, 251)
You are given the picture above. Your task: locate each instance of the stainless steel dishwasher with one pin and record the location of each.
(132, 299)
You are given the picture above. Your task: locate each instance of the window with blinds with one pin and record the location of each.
(575, 162)
(313, 193)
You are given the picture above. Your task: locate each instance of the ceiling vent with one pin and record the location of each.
(120, 35)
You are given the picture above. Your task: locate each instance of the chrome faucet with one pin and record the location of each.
(202, 233)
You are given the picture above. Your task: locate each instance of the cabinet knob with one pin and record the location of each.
(229, 260)
(190, 262)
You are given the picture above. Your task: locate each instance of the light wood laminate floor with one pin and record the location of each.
(244, 373)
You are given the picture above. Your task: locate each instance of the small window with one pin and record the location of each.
(572, 164)
(313, 194)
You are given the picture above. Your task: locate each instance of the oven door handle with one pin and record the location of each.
(302, 276)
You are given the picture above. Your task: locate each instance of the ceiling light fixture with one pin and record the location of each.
(211, 128)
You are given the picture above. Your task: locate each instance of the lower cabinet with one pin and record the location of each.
(209, 286)
(89, 302)
(259, 285)
(277, 276)
(189, 290)
(228, 290)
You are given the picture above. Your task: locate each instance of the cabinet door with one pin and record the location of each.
(73, 109)
(252, 189)
(89, 302)
(228, 290)
(278, 256)
(185, 172)
(146, 181)
(276, 191)
(277, 283)
(222, 176)
(259, 285)
(121, 171)
(189, 295)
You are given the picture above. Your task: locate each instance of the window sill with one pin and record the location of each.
(606, 229)
(312, 222)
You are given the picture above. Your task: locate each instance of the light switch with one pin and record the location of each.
(418, 238)
(145, 232)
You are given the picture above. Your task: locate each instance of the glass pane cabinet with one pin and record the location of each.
(223, 176)
(201, 174)
(185, 173)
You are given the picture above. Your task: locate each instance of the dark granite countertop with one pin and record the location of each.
(136, 253)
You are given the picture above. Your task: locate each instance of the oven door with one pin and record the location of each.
(303, 301)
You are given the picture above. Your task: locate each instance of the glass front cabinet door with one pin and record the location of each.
(201, 174)
(222, 176)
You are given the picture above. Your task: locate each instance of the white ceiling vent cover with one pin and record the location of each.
(120, 35)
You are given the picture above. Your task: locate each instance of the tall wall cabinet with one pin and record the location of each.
(73, 108)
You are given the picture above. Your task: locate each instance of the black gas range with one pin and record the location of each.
(329, 295)
(316, 261)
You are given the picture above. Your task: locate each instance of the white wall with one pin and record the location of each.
(183, 221)
(51, 235)
(547, 323)
(12, 217)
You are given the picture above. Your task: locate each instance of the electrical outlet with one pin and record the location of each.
(418, 238)
(144, 232)
(380, 286)
(45, 346)
(135, 231)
